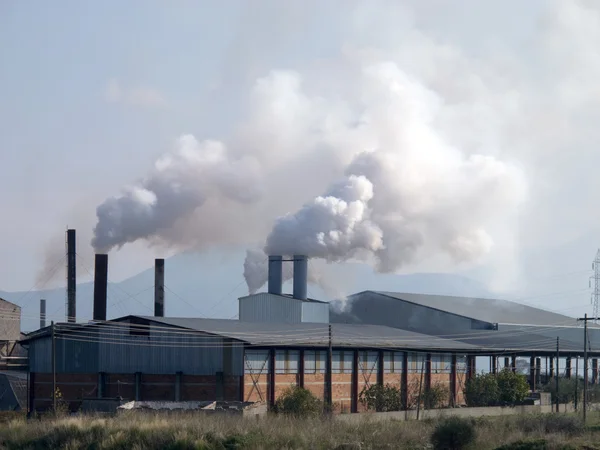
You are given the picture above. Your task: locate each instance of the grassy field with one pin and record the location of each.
(196, 431)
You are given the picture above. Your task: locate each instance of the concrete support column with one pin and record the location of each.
(506, 362)
(551, 367)
(532, 375)
(220, 386)
(271, 384)
(427, 386)
(178, 386)
(380, 355)
(138, 386)
(568, 367)
(453, 381)
(538, 372)
(354, 386)
(404, 381)
(513, 363)
(301, 368)
(595, 371)
(471, 367)
(101, 385)
(494, 364)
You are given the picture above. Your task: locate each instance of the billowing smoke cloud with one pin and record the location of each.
(180, 182)
(411, 196)
(398, 150)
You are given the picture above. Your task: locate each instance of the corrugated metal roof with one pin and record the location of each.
(484, 309)
(307, 300)
(313, 334)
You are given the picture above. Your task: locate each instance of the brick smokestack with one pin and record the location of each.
(159, 288)
(71, 276)
(100, 286)
(43, 313)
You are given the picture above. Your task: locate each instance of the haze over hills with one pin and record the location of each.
(208, 285)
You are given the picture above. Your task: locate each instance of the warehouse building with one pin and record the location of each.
(280, 340)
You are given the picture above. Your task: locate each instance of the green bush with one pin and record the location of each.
(381, 398)
(482, 390)
(512, 387)
(453, 433)
(489, 389)
(298, 402)
(537, 444)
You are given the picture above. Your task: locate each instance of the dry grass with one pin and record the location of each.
(197, 431)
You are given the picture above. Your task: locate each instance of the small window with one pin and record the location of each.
(341, 362)
(286, 361)
(393, 362)
(257, 361)
(315, 361)
(416, 362)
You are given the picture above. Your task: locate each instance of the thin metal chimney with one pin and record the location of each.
(100, 286)
(159, 288)
(42, 313)
(300, 276)
(71, 276)
(275, 274)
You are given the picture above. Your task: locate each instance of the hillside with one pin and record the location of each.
(208, 285)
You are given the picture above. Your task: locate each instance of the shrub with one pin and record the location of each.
(453, 433)
(504, 388)
(381, 398)
(482, 390)
(551, 423)
(512, 387)
(435, 396)
(298, 402)
(566, 389)
(537, 444)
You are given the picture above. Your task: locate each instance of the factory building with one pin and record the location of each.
(411, 341)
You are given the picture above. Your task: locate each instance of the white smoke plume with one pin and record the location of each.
(180, 182)
(402, 148)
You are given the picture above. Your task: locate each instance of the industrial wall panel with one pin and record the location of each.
(10, 321)
(376, 309)
(315, 312)
(266, 307)
(115, 350)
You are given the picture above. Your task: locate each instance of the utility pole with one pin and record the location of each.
(585, 362)
(330, 372)
(595, 300)
(576, 382)
(557, 372)
(52, 331)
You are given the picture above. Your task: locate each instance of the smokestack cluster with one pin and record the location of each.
(100, 286)
(300, 276)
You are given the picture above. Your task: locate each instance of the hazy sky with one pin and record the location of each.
(92, 92)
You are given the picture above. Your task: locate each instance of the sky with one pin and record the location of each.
(92, 94)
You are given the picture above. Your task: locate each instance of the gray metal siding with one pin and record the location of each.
(315, 312)
(376, 309)
(118, 352)
(265, 307)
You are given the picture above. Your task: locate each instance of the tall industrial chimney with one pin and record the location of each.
(300, 276)
(159, 288)
(100, 286)
(275, 274)
(71, 276)
(42, 313)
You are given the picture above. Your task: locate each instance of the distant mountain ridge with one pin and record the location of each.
(209, 284)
